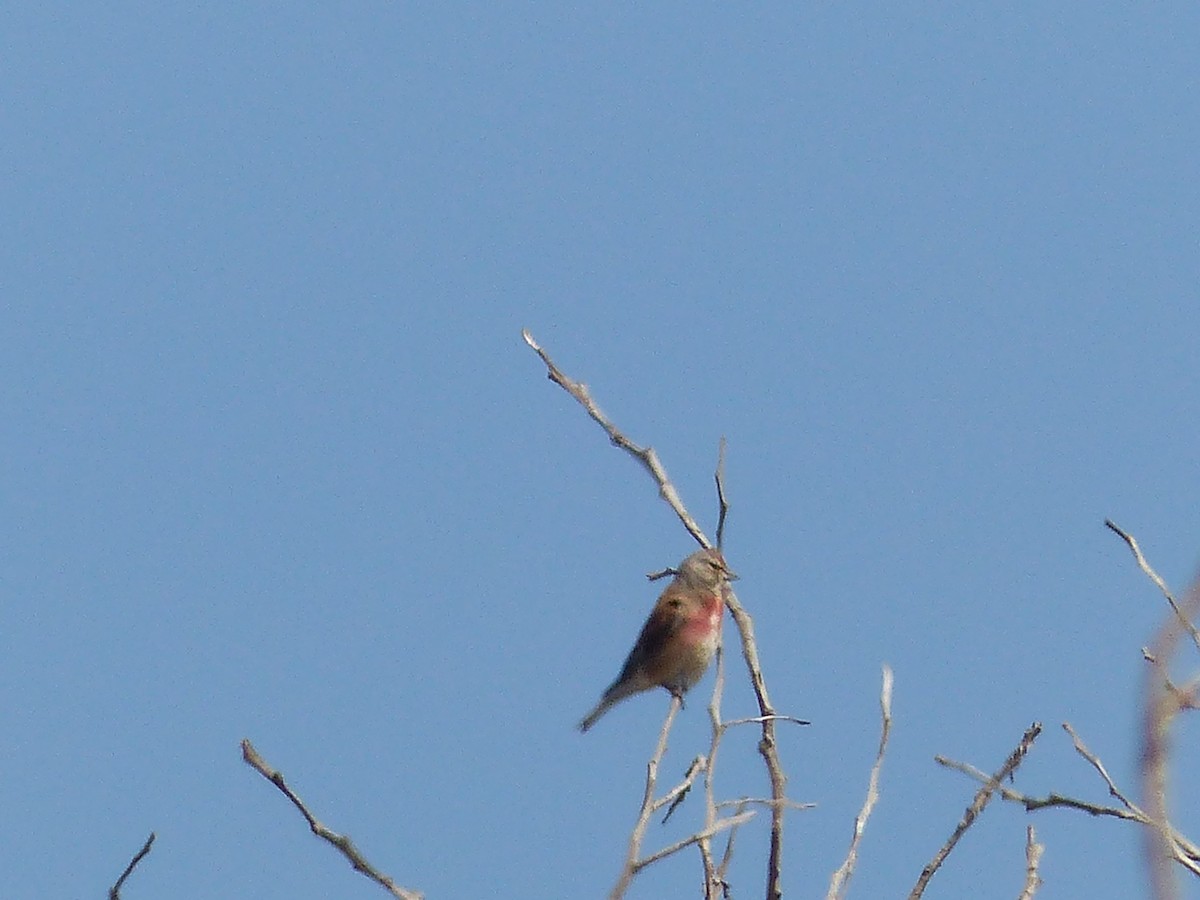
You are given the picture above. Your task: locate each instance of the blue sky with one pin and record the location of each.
(279, 465)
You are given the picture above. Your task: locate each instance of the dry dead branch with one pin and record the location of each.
(840, 880)
(982, 797)
(768, 717)
(114, 893)
(1033, 859)
(340, 841)
(1161, 703)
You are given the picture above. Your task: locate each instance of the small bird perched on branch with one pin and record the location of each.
(680, 636)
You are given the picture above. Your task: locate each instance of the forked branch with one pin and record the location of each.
(1161, 703)
(767, 746)
(982, 797)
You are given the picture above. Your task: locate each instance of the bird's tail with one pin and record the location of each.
(590, 719)
(617, 691)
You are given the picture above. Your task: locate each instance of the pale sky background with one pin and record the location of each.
(278, 465)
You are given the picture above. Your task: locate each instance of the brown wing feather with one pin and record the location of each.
(646, 656)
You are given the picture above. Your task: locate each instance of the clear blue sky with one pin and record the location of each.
(278, 465)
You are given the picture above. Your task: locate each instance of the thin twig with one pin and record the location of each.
(114, 893)
(1033, 858)
(1183, 850)
(758, 720)
(645, 455)
(1160, 706)
(1131, 541)
(767, 746)
(727, 856)
(717, 827)
(679, 793)
(764, 801)
(840, 880)
(714, 884)
(631, 867)
(722, 502)
(341, 841)
(1031, 803)
(1096, 764)
(982, 796)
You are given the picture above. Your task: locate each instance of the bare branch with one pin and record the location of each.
(635, 864)
(631, 867)
(982, 796)
(758, 720)
(1182, 850)
(1096, 764)
(341, 841)
(1035, 803)
(645, 455)
(1160, 706)
(1033, 858)
(1161, 703)
(714, 880)
(1154, 576)
(114, 893)
(764, 801)
(719, 826)
(679, 793)
(726, 859)
(722, 503)
(841, 878)
(767, 746)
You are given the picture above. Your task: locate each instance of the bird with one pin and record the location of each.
(680, 636)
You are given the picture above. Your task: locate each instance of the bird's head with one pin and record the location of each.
(705, 569)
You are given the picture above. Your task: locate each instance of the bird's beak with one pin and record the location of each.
(731, 575)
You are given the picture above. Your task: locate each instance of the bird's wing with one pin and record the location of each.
(661, 625)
